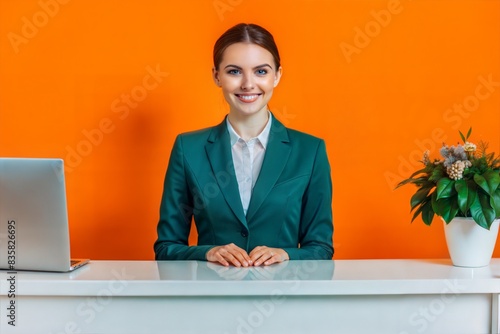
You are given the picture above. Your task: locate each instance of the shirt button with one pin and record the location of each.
(244, 233)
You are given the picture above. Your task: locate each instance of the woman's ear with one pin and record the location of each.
(215, 76)
(277, 76)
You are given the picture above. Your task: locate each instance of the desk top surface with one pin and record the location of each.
(199, 278)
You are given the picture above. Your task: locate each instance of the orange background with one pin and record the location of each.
(380, 81)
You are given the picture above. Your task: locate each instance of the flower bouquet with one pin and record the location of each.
(463, 183)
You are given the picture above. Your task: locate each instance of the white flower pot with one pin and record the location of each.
(469, 244)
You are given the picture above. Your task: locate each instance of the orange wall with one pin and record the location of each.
(108, 84)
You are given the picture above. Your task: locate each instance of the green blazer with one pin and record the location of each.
(290, 207)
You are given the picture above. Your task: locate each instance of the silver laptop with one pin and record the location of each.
(34, 233)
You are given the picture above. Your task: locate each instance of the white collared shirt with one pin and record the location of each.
(247, 159)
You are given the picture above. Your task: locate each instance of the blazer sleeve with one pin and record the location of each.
(316, 225)
(176, 212)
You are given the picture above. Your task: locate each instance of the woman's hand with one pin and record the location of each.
(229, 254)
(266, 255)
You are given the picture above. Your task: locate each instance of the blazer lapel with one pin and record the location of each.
(219, 155)
(277, 153)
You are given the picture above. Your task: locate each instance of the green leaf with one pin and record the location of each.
(482, 212)
(417, 212)
(417, 172)
(412, 178)
(417, 181)
(493, 179)
(437, 173)
(419, 197)
(445, 188)
(495, 202)
(468, 133)
(447, 208)
(427, 213)
(462, 136)
(466, 191)
(481, 182)
(463, 195)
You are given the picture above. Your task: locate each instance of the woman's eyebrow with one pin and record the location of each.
(256, 67)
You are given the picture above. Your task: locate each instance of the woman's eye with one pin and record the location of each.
(262, 72)
(234, 72)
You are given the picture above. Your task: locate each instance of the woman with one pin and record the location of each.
(259, 193)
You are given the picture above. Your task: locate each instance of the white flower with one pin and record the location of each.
(469, 147)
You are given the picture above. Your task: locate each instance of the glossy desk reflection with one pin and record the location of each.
(206, 271)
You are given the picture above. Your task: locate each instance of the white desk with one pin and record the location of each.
(341, 296)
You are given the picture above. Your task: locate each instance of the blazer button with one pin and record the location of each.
(244, 233)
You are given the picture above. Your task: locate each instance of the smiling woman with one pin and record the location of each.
(247, 68)
(248, 86)
(259, 193)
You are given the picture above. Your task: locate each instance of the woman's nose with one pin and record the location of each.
(247, 83)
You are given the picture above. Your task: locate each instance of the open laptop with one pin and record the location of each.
(34, 232)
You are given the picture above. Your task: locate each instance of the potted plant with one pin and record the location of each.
(463, 188)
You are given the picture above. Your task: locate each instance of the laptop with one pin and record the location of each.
(34, 232)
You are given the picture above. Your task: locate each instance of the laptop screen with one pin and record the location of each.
(33, 215)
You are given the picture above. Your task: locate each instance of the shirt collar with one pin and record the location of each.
(263, 137)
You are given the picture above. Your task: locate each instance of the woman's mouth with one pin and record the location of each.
(248, 98)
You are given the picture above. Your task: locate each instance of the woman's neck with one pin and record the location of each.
(248, 127)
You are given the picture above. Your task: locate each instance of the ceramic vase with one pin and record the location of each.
(469, 244)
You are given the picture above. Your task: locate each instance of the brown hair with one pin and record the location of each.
(246, 33)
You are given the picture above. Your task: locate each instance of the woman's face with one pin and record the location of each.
(247, 76)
